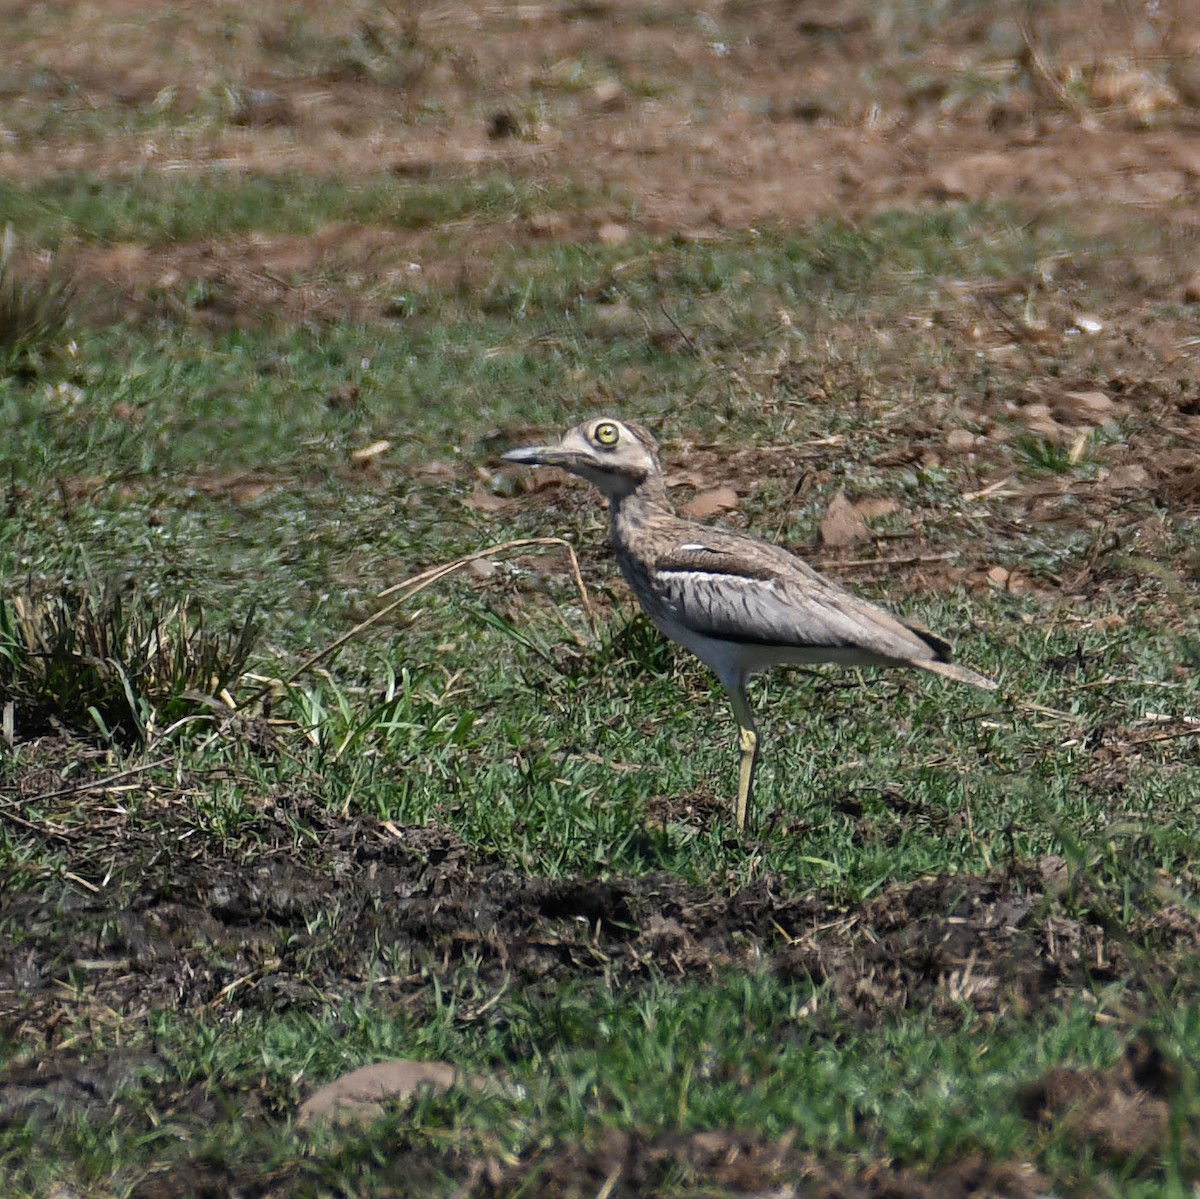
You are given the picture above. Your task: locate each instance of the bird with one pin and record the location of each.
(740, 604)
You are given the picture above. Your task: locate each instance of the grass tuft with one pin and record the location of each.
(95, 662)
(35, 314)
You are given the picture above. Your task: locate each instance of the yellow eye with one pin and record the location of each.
(606, 434)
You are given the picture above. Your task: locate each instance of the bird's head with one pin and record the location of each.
(617, 456)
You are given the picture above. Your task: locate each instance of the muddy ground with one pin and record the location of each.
(697, 123)
(177, 927)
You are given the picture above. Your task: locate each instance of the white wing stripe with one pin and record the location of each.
(720, 578)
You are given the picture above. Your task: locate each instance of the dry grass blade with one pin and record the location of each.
(1044, 78)
(418, 582)
(89, 785)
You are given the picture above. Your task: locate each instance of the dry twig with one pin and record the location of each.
(418, 582)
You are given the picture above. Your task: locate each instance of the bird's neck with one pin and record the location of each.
(639, 507)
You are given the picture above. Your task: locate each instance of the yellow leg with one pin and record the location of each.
(748, 746)
(748, 749)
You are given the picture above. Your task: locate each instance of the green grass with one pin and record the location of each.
(554, 769)
(155, 208)
(743, 1052)
(488, 707)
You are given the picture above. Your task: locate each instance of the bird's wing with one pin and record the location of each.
(743, 590)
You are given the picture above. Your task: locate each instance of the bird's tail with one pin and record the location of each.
(960, 674)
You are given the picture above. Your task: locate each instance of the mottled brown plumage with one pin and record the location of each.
(738, 603)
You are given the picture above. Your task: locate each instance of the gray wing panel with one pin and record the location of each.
(754, 600)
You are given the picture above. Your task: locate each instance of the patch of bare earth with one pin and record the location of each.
(630, 1165)
(694, 119)
(157, 923)
(755, 109)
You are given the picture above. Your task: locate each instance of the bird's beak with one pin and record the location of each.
(540, 455)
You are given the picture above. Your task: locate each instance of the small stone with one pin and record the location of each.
(482, 568)
(609, 96)
(1130, 476)
(612, 234)
(1084, 408)
(360, 1096)
(961, 441)
(483, 500)
(1054, 871)
(548, 224)
(709, 503)
(841, 525)
(1037, 419)
(1091, 401)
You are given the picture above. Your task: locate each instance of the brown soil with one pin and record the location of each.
(176, 925)
(173, 925)
(629, 1165)
(692, 121)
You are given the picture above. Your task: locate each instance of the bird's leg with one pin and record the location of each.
(747, 748)
(748, 745)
